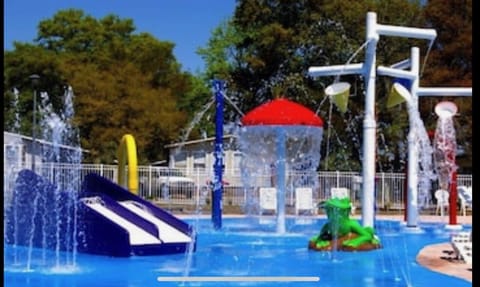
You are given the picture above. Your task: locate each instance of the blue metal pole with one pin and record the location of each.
(217, 192)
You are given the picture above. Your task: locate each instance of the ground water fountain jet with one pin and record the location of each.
(41, 214)
(279, 136)
(16, 124)
(53, 215)
(12, 160)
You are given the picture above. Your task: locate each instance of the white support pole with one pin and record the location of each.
(406, 32)
(369, 125)
(367, 69)
(412, 174)
(405, 64)
(413, 152)
(396, 73)
(336, 70)
(446, 92)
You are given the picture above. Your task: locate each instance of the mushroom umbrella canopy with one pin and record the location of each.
(277, 136)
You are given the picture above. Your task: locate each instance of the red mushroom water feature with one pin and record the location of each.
(277, 137)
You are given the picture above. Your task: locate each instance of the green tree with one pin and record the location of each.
(28, 59)
(277, 41)
(220, 58)
(123, 82)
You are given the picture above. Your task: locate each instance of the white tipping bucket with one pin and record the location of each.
(446, 109)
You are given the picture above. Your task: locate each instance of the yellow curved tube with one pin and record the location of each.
(127, 153)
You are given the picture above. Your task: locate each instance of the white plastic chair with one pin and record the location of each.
(441, 196)
(339, 192)
(465, 196)
(304, 200)
(342, 192)
(268, 199)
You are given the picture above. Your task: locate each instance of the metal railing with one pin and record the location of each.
(192, 187)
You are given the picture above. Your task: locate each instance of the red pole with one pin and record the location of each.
(453, 199)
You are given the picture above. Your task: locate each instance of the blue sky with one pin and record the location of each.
(187, 23)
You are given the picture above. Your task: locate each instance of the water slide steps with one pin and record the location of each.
(138, 235)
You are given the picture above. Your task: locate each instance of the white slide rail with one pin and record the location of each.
(137, 235)
(167, 232)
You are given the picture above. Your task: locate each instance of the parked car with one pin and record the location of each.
(166, 182)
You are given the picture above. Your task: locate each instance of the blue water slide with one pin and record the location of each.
(104, 218)
(116, 222)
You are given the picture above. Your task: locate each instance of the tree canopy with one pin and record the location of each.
(124, 82)
(265, 51)
(130, 82)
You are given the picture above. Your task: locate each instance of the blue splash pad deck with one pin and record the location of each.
(245, 247)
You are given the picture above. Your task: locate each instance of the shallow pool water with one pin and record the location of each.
(245, 252)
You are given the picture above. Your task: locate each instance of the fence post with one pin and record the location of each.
(198, 188)
(149, 181)
(383, 188)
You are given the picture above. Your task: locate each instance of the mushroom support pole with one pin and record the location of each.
(281, 182)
